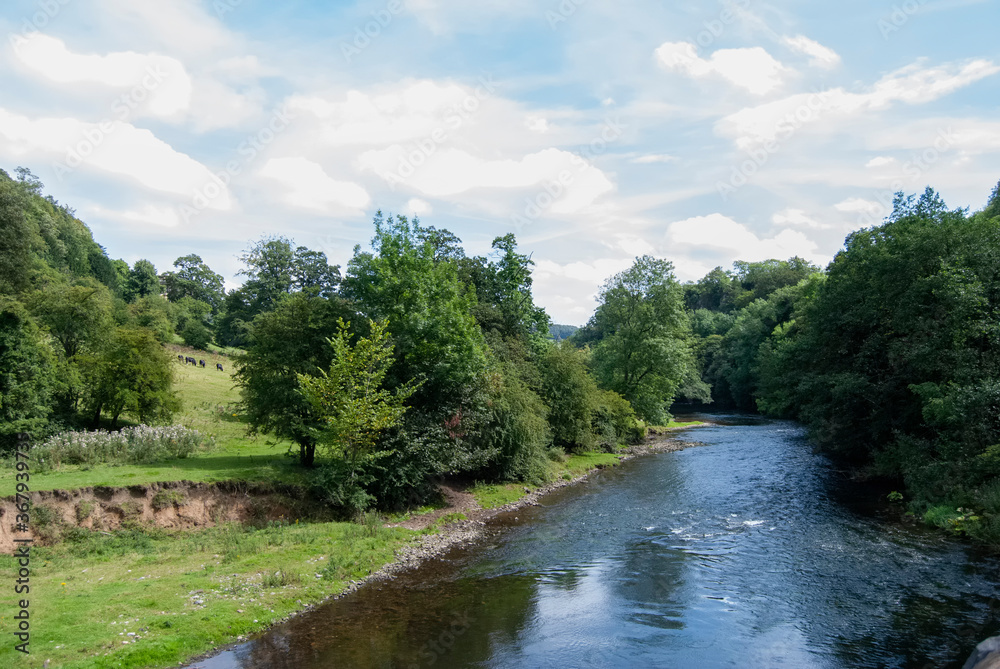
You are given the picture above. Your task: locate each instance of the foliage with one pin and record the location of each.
(429, 311)
(141, 281)
(642, 350)
(196, 335)
(142, 444)
(27, 376)
(516, 429)
(284, 343)
(348, 399)
(15, 236)
(571, 395)
(130, 374)
(194, 279)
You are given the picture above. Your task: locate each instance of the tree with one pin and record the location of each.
(131, 374)
(27, 376)
(15, 236)
(642, 352)
(429, 311)
(571, 395)
(282, 344)
(349, 399)
(194, 279)
(141, 281)
(76, 316)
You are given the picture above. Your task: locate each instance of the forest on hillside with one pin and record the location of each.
(417, 360)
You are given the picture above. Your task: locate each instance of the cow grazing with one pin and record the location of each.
(218, 366)
(181, 358)
(191, 360)
(201, 362)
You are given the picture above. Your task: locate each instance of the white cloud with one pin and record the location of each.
(820, 56)
(412, 113)
(157, 85)
(450, 172)
(735, 241)
(654, 158)
(115, 147)
(537, 124)
(593, 273)
(796, 218)
(160, 216)
(880, 161)
(856, 205)
(181, 25)
(912, 84)
(307, 185)
(751, 68)
(419, 207)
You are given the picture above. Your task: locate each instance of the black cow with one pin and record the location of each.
(181, 358)
(191, 360)
(218, 366)
(201, 362)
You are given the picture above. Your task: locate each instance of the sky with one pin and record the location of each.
(596, 131)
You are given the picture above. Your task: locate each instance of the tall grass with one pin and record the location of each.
(131, 446)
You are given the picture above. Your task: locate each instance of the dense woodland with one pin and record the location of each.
(417, 361)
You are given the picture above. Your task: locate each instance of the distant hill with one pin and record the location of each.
(560, 332)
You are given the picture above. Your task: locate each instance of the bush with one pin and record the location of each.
(196, 335)
(133, 445)
(517, 430)
(572, 397)
(339, 487)
(614, 421)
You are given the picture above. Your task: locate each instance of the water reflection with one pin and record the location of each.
(742, 553)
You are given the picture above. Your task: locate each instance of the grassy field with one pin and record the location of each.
(144, 598)
(209, 406)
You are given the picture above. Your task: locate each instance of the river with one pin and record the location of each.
(748, 551)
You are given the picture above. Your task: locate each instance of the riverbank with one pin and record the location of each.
(144, 596)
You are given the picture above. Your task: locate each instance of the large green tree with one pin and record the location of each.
(429, 311)
(642, 348)
(131, 374)
(282, 344)
(194, 279)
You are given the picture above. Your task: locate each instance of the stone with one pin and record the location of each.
(986, 655)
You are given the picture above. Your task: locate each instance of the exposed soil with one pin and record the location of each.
(174, 504)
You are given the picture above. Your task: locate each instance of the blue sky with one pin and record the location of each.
(596, 131)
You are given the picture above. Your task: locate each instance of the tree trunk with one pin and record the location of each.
(307, 454)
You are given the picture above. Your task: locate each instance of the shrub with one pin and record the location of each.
(196, 335)
(134, 445)
(614, 421)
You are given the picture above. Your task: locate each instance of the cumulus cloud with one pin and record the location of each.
(820, 56)
(753, 69)
(735, 241)
(115, 147)
(912, 84)
(574, 182)
(307, 185)
(792, 217)
(155, 84)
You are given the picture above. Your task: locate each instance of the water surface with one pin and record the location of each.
(749, 551)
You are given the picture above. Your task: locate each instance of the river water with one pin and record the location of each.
(748, 551)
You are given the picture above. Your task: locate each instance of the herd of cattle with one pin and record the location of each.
(187, 359)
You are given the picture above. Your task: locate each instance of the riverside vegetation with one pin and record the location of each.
(420, 362)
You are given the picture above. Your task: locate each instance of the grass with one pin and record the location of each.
(493, 495)
(674, 425)
(183, 593)
(209, 399)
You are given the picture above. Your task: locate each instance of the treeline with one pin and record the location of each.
(490, 393)
(891, 356)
